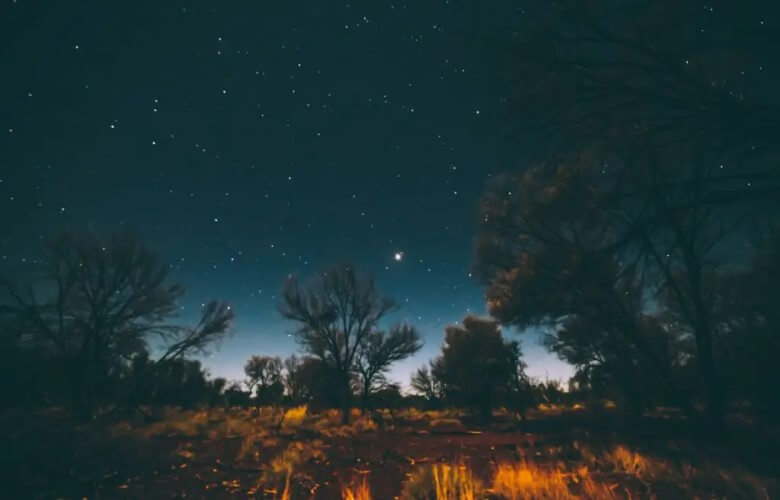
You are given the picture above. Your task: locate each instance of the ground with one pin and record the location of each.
(247, 453)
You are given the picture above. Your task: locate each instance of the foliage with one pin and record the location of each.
(264, 375)
(644, 187)
(477, 365)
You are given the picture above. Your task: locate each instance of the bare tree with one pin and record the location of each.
(335, 313)
(424, 383)
(379, 351)
(96, 303)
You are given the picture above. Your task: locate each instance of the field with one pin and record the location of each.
(255, 453)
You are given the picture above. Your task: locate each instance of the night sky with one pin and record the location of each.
(245, 141)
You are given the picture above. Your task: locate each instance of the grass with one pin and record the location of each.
(442, 482)
(527, 481)
(618, 472)
(239, 452)
(358, 490)
(295, 416)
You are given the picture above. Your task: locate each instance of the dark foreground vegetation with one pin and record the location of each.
(561, 452)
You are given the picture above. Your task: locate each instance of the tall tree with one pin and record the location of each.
(380, 350)
(541, 254)
(335, 313)
(675, 108)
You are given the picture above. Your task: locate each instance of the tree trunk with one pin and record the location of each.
(703, 333)
(364, 397)
(712, 386)
(346, 400)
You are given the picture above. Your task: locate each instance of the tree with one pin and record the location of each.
(295, 379)
(235, 395)
(93, 303)
(335, 313)
(645, 77)
(316, 384)
(379, 351)
(424, 383)
(679, 136)
(264, 375)
(477, 364)
(519, 393)
(562, 246)
(747, 323)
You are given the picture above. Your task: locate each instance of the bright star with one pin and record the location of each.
(398, 256)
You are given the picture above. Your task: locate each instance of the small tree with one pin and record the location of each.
(379, 351)
(424, 383)
(295, 380)
(477, 365)
(264, 374)
(335, 313)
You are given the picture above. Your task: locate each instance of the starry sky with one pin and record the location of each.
(245, 141)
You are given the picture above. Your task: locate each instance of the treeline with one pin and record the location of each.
(79, 323)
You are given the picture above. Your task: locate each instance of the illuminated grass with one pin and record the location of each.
(359, 490)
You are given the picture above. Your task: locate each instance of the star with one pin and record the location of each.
(398, 256)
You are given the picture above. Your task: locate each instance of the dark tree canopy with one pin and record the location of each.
(477, 365)
(647, 77)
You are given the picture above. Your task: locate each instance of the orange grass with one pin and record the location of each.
(516, 481)
(356, 491)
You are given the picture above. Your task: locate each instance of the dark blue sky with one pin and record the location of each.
(248, 140)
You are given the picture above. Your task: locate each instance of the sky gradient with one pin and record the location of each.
(248, 141)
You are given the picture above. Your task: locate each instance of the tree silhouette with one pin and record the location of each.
(335, 312)
(378, 351)
(295, 379)
(424, 383)
(652, 119)
(747, 323)
(562, 240)
(93, 303)
(264, 375)
(477, 365)
(649, 78)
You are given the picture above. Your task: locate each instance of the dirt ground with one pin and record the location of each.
(242, 453)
